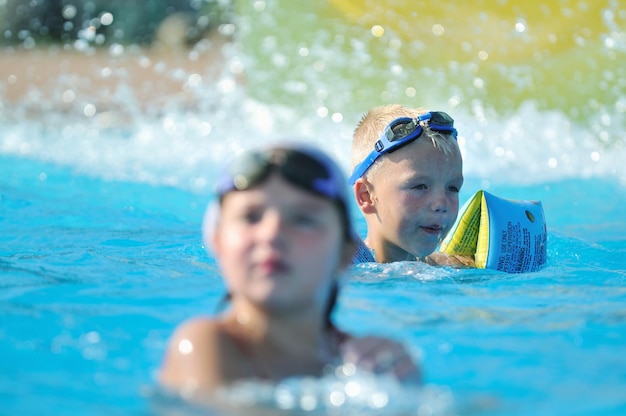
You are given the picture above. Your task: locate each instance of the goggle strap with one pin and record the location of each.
(440, 127)
(360, 169)
(424, 117)
(382, 146)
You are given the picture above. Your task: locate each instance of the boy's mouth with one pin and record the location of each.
(272, 266)
(432, 229)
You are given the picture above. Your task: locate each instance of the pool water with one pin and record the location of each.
(97, 273)
(101, 255)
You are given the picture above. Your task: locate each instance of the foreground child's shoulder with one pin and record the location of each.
(363, 254)
(201, 349)
(197, 333)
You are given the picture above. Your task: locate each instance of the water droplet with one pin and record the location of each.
(377, 31)
(89, 110)
(438, 30)
(185, 347)
(68, 96)
(337, 117)
(69, 11)
(106, 19)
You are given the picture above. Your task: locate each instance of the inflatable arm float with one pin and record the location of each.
(501, 234)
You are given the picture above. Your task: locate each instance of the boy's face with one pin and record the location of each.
(279, 246)
(415, 198)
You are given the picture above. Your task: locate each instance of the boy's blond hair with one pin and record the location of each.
(372, 124)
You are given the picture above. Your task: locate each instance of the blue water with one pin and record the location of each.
(101, 255)
(96, 274)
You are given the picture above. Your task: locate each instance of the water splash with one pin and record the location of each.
(129, 113)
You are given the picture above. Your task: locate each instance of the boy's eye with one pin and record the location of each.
(252, 216)
(420, 186)
(304, 220)
(454, 188)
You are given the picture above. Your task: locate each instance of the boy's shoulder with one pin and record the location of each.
(363, 253)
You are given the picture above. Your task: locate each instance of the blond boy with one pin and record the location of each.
(406, 178)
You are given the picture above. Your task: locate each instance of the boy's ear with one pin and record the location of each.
(363, 196)
(210, 227)
(214, 238)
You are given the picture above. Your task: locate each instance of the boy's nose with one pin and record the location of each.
(271, 229)
(439, 202)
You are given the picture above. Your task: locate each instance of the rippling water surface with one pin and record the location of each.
(107, 156)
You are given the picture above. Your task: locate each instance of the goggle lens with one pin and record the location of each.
(250, 168)
(440, 121)
(400, 129)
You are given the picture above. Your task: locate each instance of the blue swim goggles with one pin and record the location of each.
(305, 167)
(402, 131)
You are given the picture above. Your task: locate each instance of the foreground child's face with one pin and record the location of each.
(416, 192)
(278, 246)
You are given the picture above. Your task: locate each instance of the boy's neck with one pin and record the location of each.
(262, 325)
(387, 253)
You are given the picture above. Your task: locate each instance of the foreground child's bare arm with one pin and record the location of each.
(381, 355)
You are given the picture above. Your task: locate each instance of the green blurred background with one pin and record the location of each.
(344, 56)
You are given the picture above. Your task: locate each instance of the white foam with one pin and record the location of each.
(183, 148)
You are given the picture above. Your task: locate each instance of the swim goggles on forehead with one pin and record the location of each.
(402, 131)
(305, 168)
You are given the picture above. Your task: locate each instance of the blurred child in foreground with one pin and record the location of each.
(282, 236)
